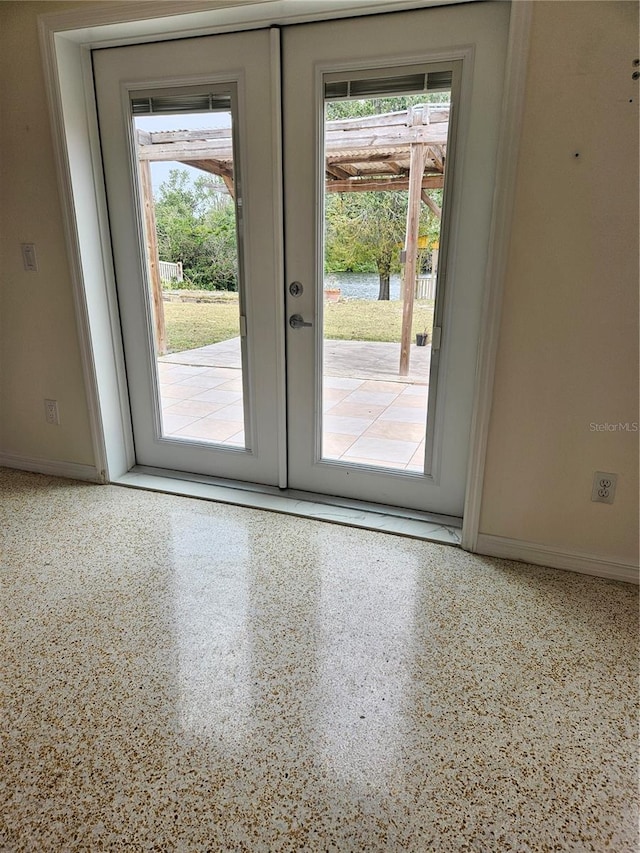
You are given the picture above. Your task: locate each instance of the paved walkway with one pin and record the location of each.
(371, 415)
(364, 359)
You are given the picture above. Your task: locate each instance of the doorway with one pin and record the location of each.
(342, 430)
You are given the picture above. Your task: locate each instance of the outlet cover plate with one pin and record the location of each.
(604, 487)
(51, 412)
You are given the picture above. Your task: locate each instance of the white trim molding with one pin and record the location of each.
(555, 558)
(157, 20)
(53, 467)
(499, 242)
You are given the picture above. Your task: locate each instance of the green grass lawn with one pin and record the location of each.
(196, 324)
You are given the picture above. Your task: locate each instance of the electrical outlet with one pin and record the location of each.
(51, 413)
(604, 487)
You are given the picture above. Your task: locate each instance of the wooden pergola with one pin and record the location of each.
(403, 150)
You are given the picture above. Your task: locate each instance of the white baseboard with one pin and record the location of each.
(543, 555)
(53, 467)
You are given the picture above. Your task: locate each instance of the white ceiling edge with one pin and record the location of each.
(104, 25)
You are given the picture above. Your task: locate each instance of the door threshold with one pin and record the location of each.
(431, 527)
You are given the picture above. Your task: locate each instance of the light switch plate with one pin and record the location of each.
(29, 259)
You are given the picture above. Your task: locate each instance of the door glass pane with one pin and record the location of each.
(188, 192)
(385, 160)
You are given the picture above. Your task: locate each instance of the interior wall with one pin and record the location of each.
(568, 342)
(568, 351)
(39, 352)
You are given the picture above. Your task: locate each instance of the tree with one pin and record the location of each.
(357, 108)
(196, 225)
(364, 231)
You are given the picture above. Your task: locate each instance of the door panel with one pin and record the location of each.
(470, 41)
(210, 408)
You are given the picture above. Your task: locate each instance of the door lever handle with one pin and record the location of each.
(296, 321)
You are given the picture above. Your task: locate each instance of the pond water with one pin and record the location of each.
(361, 285)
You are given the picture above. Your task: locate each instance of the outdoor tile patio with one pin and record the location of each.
(370, 418)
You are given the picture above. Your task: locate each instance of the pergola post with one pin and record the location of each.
(416, 168)
(152, 256)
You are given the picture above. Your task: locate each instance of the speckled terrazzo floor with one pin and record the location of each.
(179, 675)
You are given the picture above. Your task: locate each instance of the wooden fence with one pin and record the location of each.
(426, 287)
(170, 272)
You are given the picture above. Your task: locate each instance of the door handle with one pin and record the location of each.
(296, 321)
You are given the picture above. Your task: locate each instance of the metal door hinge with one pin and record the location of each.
(436, 336)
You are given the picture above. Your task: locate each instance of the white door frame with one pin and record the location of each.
(66, 40)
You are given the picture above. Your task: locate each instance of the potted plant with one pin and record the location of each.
(332, 294)
(331, 290)
(422, 338)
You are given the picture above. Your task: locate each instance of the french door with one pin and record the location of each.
(382, 132)
(224, 87)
